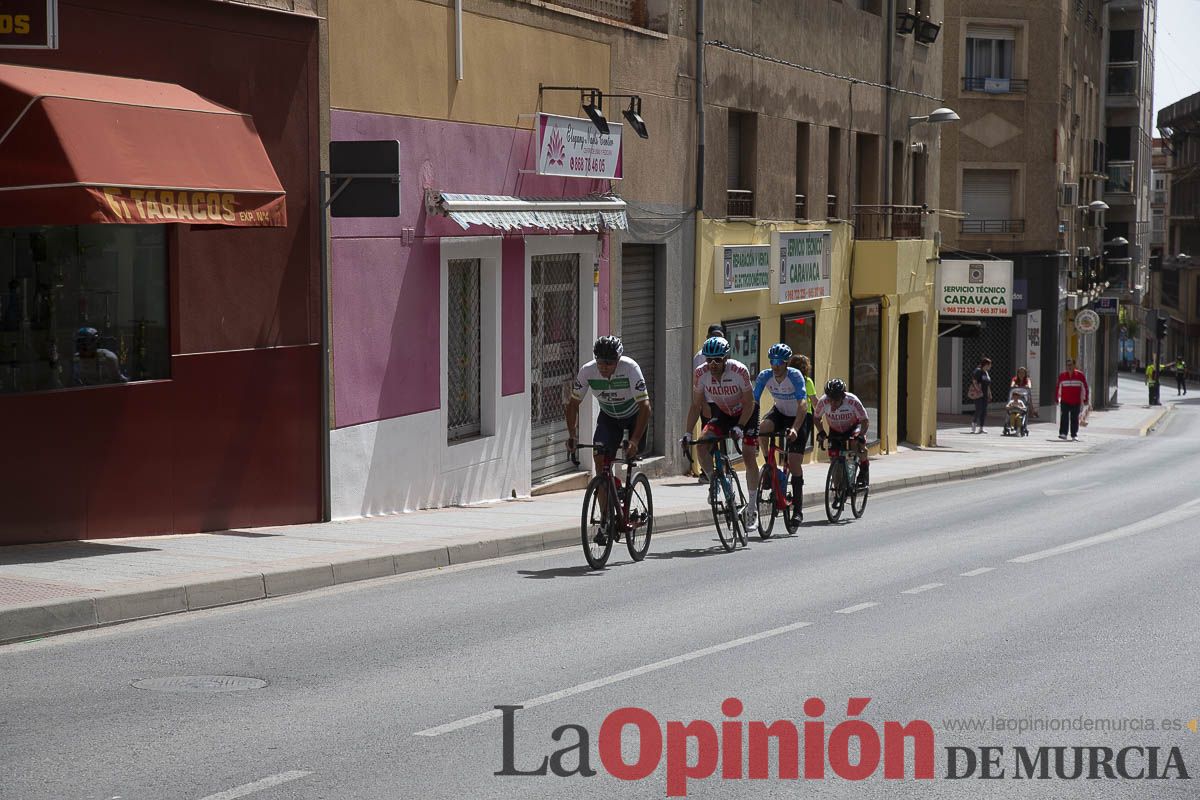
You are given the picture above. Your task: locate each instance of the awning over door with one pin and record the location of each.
(512, 213)
(77, 148)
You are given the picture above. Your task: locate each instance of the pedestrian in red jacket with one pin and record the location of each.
(1071, 394)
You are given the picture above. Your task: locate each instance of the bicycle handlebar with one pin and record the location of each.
(633, 460)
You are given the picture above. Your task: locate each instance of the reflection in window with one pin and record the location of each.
(82, 306)
(865, 343)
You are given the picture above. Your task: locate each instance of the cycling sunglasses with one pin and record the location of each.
(715, 359)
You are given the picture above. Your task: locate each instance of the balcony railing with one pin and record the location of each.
(801, 207)
(739, 203)
(888, 222)
(991, 226)
(631, 12)
(1122, 78)
(1159, 197)
(1120, 177)
(996, 85)
(1158, 237)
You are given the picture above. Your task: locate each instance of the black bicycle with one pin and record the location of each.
(612, 510)
(841, 483)
(725, 494)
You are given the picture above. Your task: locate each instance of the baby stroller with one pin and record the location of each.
(1016, 418)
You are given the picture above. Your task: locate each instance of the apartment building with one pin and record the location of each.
(813, 223)
(1026, 167)
(1177, 285)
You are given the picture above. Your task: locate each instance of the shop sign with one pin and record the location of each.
(741, 268)
(573, 147)
(29, 24)
(975, 288)
(143, 206)
(803, 262)
(1105, 305)
(1087, 321)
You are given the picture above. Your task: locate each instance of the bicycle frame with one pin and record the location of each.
(606, 471)
(778, 485)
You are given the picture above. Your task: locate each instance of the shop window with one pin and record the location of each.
(1170, 288)
(865, 346)
(82, 306)
(743, 338)
(463, 368)
(799, 332)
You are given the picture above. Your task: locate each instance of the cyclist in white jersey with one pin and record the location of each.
(787, 388)
(620, 389)
(845, 418)
(726, 384)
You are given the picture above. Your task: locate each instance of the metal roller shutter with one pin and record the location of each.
(637, 316)
(987, 194)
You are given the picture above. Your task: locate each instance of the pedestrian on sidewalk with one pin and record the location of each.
(1152, 375)
(1071, 394)
(1180, 375)
(805, 366)
(981, 392)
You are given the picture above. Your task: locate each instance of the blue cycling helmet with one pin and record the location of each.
(715, 347)
(779, 353)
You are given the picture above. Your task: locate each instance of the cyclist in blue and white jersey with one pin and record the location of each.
(786, 385)
(620, 389)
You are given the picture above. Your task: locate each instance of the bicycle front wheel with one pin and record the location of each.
(858, 500)
(723, 518)
(738, 498)
(765, 500)
(595, 526)
(639, 511)
(833, 498)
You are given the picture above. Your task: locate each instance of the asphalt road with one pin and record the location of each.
(1056, 596)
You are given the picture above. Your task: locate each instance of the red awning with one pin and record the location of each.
(77, 148)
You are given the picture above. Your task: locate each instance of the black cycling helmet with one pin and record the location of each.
(836, 389)
(608, 348)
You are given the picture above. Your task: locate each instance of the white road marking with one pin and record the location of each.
(855, 609)
(257, 786)
(615, 678)
(975, 572)
(1181, 513)
(922, 588)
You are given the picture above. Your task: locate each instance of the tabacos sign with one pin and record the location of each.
(573, 147)
(803, 265)
(975, 288)
(29, 24)
(741, 268)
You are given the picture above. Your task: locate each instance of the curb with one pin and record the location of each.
(23, 623)
(1144, 430)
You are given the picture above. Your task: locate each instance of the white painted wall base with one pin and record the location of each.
(405, 464)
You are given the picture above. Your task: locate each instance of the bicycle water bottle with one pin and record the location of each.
(851, 470)
(779, 477)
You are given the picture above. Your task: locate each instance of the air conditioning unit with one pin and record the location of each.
(1068, 194)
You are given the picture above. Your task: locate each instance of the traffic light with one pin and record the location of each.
(1160, 329)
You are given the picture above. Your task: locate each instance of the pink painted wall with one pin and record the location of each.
(386, 326)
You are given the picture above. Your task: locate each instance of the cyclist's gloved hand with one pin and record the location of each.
(735, 432)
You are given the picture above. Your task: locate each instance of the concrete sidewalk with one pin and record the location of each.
(58, 587)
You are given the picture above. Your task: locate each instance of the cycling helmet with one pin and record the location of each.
(779, 353)
(715, 347)
(608, 348)
(87, 337)
(836, 389)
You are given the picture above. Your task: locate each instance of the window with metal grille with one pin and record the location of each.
(462, 348)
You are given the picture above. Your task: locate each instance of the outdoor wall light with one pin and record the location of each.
(633, 115)
(927, 31)
(906, 22)
(592, 107)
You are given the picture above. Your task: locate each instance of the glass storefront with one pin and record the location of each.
(82, 305)
(743, 338)
(866, 339)
(799, 332)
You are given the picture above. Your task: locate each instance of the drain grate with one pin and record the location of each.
(200, 683)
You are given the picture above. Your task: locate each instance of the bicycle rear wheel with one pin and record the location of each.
(765, 501)
(723, 518)
(834, 502)
(596, 525)
(858, 500)
(739, 505)
(639, 510)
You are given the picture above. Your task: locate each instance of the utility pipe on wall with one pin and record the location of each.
(699, 111)
(458, 45)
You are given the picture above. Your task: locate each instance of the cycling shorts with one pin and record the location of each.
(722, 423)
(610, 431)
(782, 422)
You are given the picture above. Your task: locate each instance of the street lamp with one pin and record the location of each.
(935, 117)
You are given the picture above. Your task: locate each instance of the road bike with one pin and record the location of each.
(627, 509)
(725, 494)
(841, 482)
(775, 488)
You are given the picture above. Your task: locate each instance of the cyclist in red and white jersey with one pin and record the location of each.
(843, 415)
(728, 386)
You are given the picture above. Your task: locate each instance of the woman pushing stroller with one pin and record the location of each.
(1020, 404)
